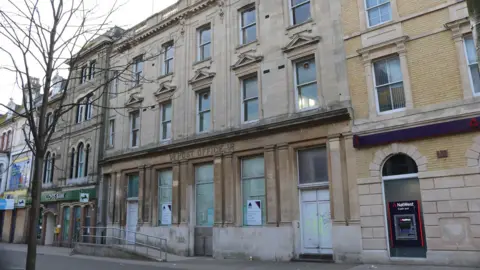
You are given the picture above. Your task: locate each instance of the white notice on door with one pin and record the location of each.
(166, 214)
(254, 212)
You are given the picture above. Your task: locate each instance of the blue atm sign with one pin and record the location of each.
(7, 204)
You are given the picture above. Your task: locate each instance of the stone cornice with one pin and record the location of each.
(156, 29)
(323, 117)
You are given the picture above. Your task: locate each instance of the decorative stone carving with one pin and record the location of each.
(245, 60)
(300, 41)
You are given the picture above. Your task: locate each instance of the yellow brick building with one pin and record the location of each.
(415, 87)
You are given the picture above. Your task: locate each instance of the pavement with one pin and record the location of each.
(12, 257)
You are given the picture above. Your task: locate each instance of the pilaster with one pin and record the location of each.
(175, 193)
(229, 189)
(271, 185)
(218, 190)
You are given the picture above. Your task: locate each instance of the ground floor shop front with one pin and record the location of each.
(67, 216)
(14, 217)
(274, 196)
(420, 200)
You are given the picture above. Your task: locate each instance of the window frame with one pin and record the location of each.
(242, 192)
(168, 62)
(314, 184)
(243, 27)
(83, 74)
(81, 108)
(375, 86)
(134, 129)
(298, 86)
(128, 185)
(200, 52)
(293, 7)
(92, 69)
(198, 112)
(244, 101)
(369, 8)
(137, 75)
(470, 77)
(114, 84)
(163, 121)
(111, 133)
(80, 170)
(160, 187)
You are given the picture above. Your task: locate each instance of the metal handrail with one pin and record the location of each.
(120, 237)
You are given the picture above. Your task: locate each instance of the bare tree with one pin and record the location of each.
(47, 35)
(474, 14)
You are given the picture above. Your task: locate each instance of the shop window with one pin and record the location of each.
(87, 224)
(132, 189)
(313, 166)
(253, 191)
(165, 197)
(77, 223)
(300, 11)
(204, 195)
(403, 207)
(66, 224)
(306, 84)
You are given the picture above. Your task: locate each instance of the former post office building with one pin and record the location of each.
(228, 144)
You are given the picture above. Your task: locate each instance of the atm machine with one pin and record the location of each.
(406, 229)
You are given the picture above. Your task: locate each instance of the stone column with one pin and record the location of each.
(184, 182)
(72, 219)
(218, 190)
(147, 198)
(141, 192)
(351, 167)
(123, 200)
(271, 185)
(336, 189)
(118, 197)
(93, 222)
(111, 197)
(286, 200)
(82, 222)
(175, 193)
(372, 103)
(229, 190)
(60, 222)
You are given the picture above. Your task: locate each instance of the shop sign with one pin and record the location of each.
(7, 204)
(21, 202)
(72, 195)
(203, 152)
(84, 197)
(16, 196)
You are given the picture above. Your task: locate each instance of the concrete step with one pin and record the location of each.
(319, 258)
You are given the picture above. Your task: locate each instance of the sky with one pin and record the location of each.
(129, 13)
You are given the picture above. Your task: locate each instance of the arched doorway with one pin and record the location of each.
(49, 228)
(404, 217)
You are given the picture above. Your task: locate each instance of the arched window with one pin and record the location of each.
(403, 207)
(3, 141)
(80, 160)
(399, 165)
(2, 168)
(49, 164)
(87, 152)
(72, 164)
(9, 138)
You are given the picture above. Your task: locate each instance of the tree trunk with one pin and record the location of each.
(36, 185)
(474, 15)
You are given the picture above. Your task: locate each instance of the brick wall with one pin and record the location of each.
(434, 73)
(350, 19)
(372, 217)
(408, 7)
(426, 23)
(358, 87)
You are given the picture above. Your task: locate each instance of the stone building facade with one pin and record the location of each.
(228, 144)
(413, 81)
(71, 189)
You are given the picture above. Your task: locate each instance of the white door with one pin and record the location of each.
(132, 219)
(49, 229)
(316, 222)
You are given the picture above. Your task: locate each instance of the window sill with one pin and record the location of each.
(202, 61)
(380, 25)
(241, 46)
(165, 75)
(391, 111)
(291, 27)
(308, 109)
(313, 185)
